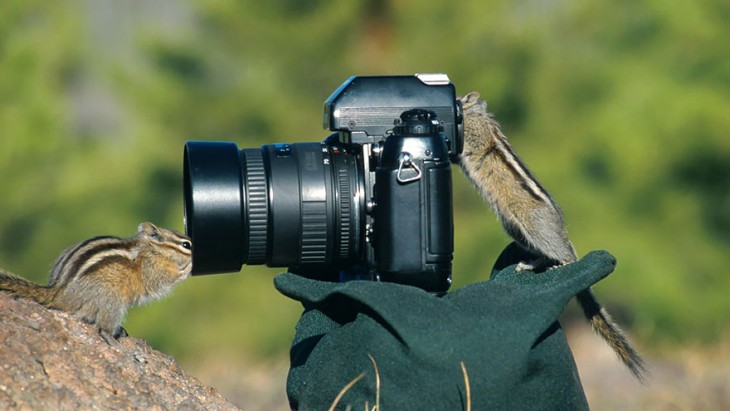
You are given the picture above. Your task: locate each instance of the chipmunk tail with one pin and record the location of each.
(19, 287)
(605, 327)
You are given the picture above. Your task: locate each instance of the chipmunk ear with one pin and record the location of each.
(473, 98)
(149, 229)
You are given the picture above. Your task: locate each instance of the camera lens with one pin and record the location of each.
(282, 205)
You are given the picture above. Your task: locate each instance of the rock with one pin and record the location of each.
(51, 360)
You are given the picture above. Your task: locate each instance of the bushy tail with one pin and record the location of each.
(604, 326)
(20, 287)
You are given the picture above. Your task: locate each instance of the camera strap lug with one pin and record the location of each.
(405, 160)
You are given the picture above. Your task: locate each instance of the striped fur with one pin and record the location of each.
(81, 258)
(529, 214)
(99, 279)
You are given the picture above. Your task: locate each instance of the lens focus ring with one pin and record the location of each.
(345, 194)
(314, 232)
(257, 206)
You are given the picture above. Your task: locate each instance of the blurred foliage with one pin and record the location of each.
(620, 108)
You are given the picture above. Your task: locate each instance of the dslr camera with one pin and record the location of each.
(372, 201)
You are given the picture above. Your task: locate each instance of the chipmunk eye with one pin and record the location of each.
(186, 245)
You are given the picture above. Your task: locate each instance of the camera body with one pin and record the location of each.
(371, 201)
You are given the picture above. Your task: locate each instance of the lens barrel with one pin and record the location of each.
(282, 205)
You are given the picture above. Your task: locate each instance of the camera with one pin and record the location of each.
(372, 201)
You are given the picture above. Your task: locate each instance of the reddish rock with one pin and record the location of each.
(51, 360)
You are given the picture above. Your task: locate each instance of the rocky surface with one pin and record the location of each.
(51, 360)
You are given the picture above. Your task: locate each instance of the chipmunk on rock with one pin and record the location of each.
(528, 214)
(99, 279)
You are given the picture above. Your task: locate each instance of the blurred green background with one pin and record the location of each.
(620, 108)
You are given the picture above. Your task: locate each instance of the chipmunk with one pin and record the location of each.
(529, 214)
(99, 279)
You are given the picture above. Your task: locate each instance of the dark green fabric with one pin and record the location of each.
(504, 330)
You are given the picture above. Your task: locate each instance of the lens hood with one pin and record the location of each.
(213, 205)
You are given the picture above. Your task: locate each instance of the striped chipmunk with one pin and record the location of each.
(529, 214)
(98, 279)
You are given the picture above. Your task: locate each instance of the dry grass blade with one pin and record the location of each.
(377, 384)
(345, 389)
(468, 389)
